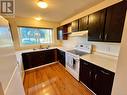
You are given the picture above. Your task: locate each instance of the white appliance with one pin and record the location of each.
(10, 79)
(73, 58)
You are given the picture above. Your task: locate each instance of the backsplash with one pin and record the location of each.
(73, 41)
(106, 48)
(101, 47)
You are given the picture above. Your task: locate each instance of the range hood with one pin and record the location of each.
(80, 33)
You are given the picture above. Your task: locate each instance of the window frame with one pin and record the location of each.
(25, 45)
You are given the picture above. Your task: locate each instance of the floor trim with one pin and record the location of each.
(41, 66)
(87, 87)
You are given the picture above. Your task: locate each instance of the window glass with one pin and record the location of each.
(29, 36)
(5, 37)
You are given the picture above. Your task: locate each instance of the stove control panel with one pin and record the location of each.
(84, 47)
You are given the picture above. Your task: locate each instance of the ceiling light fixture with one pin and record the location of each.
(42, 4)
(38, 18)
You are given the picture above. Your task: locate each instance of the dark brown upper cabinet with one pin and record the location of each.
(59, 33)
(62, 32)
(83, 23)
(107, 25)
(75, 26)
(115, 22)
(96, 25)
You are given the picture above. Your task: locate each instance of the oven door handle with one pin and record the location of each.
(74, 61)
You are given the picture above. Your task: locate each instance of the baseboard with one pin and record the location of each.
(87, 87)
(41, 66)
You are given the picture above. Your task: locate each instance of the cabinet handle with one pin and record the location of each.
(95, 76)
(100, 36)
(106, 36)
(105, 72)
(90, 73)
(86, 63)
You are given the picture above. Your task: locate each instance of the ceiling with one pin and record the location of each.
(57, 10)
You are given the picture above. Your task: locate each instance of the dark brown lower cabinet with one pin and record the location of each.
(61, 57)
(102, 82)
(99, 80)
(85, 73)
(38, 58)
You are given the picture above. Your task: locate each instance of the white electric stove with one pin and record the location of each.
(73, 58)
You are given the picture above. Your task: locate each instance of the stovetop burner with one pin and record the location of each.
(77, 52)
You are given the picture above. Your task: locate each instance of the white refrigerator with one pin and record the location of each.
(10, 79)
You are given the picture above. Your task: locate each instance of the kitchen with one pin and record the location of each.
(67, 53)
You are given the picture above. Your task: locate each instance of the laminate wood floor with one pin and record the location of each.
(52, 80)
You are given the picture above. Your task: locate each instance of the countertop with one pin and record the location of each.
(34, 50)
(105, 61)
(31, 50)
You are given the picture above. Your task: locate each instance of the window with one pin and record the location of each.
(29, 36)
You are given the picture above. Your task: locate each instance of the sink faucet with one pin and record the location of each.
(40, 47)
(48, 46)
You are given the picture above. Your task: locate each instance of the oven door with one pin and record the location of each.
(75, 64)
(72, 65)
(68, 60)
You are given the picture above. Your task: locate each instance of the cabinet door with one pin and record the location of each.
(115, 22)
(59, 33)
(96, 25)
(31, 59)
(102, 82)
(48, 56)
(61, 57)
(26, 57)
(83, 23)
(34, 59)
(65, 32)
(43, 57)
(62, 32)
(75, 26)
(85, 73)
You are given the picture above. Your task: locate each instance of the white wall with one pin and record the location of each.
(120, 82)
